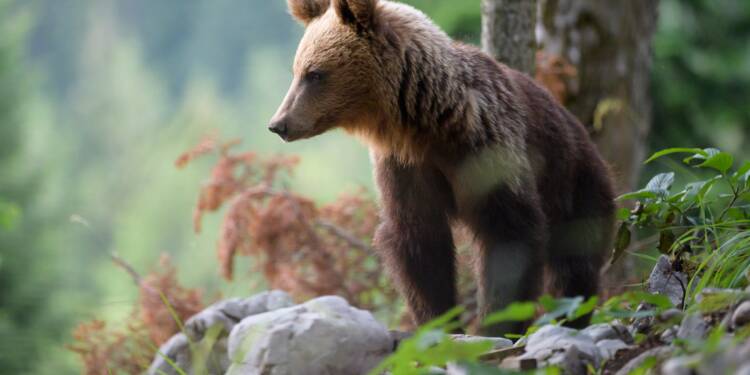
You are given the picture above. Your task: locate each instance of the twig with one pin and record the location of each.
(344, 235)
(137, 278)
(118, 261)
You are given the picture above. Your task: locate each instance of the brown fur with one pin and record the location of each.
(455, 137)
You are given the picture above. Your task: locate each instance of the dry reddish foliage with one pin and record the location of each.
(105, 350)
(161, 298)
(555, 73)
(300, 247)
(108, 350)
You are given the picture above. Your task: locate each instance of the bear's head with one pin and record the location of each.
(337, 76)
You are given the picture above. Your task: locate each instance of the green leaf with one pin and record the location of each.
(720, 161)
(623, 214)
(645, 367)
(586, 307)
(737, 213)
(624, 305)
(677, 150)
(567, 308)
(742, 174)
(431, 346)
(657, 187)
(698, 190)
(661, 302)
(707, 153)
(713, 341)
(515, 312)
(641, 194)
(660, 184)
(622, 241)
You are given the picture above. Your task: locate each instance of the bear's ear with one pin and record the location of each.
(307, 10)
(356, 13)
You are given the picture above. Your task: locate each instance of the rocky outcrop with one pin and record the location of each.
(269, 334)
(323, 336)
(211, 327)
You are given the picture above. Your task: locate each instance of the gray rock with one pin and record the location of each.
(497, 342)
(609, 347)
(571, 361)
(739, 358)
(322, 336)
(693, 327)
(660, 353)
(680, 365)
(604, 331)
(221, 317)
(741, 315)
(664, 280)
(731, 359)
(561, 346)
(642, 324)
(229, 312)
(669, 335)
(522, 341)
(177, 350)
(542, 337)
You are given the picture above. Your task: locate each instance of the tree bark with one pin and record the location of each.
(609, 45)
(508, 32)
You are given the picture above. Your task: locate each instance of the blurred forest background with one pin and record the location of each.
(99, 97)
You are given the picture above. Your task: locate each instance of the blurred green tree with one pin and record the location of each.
(701, 75)
(461, 19)
(29, 325)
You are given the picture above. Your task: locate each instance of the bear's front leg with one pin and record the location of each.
(511, 233)
(414, 238)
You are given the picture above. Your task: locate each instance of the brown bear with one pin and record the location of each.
(455, 138)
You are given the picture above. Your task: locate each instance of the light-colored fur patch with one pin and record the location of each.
(489, 169)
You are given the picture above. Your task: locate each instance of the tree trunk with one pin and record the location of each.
(508, 32)
(608, 43)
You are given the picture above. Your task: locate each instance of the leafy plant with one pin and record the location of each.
(626, 306)
(432, 347)
(555, 310)
(703, 226)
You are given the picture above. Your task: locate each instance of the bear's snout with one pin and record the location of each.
(280, 128)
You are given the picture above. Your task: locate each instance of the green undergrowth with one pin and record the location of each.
(702, 226)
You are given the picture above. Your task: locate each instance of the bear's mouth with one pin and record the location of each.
(290, 136)
(290, 132)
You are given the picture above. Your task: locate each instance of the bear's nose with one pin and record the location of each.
(278, 127)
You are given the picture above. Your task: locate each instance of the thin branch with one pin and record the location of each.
(344, 235)
(118, 261)
(331, 227)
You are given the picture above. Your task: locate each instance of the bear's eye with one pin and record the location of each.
(314, 76)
